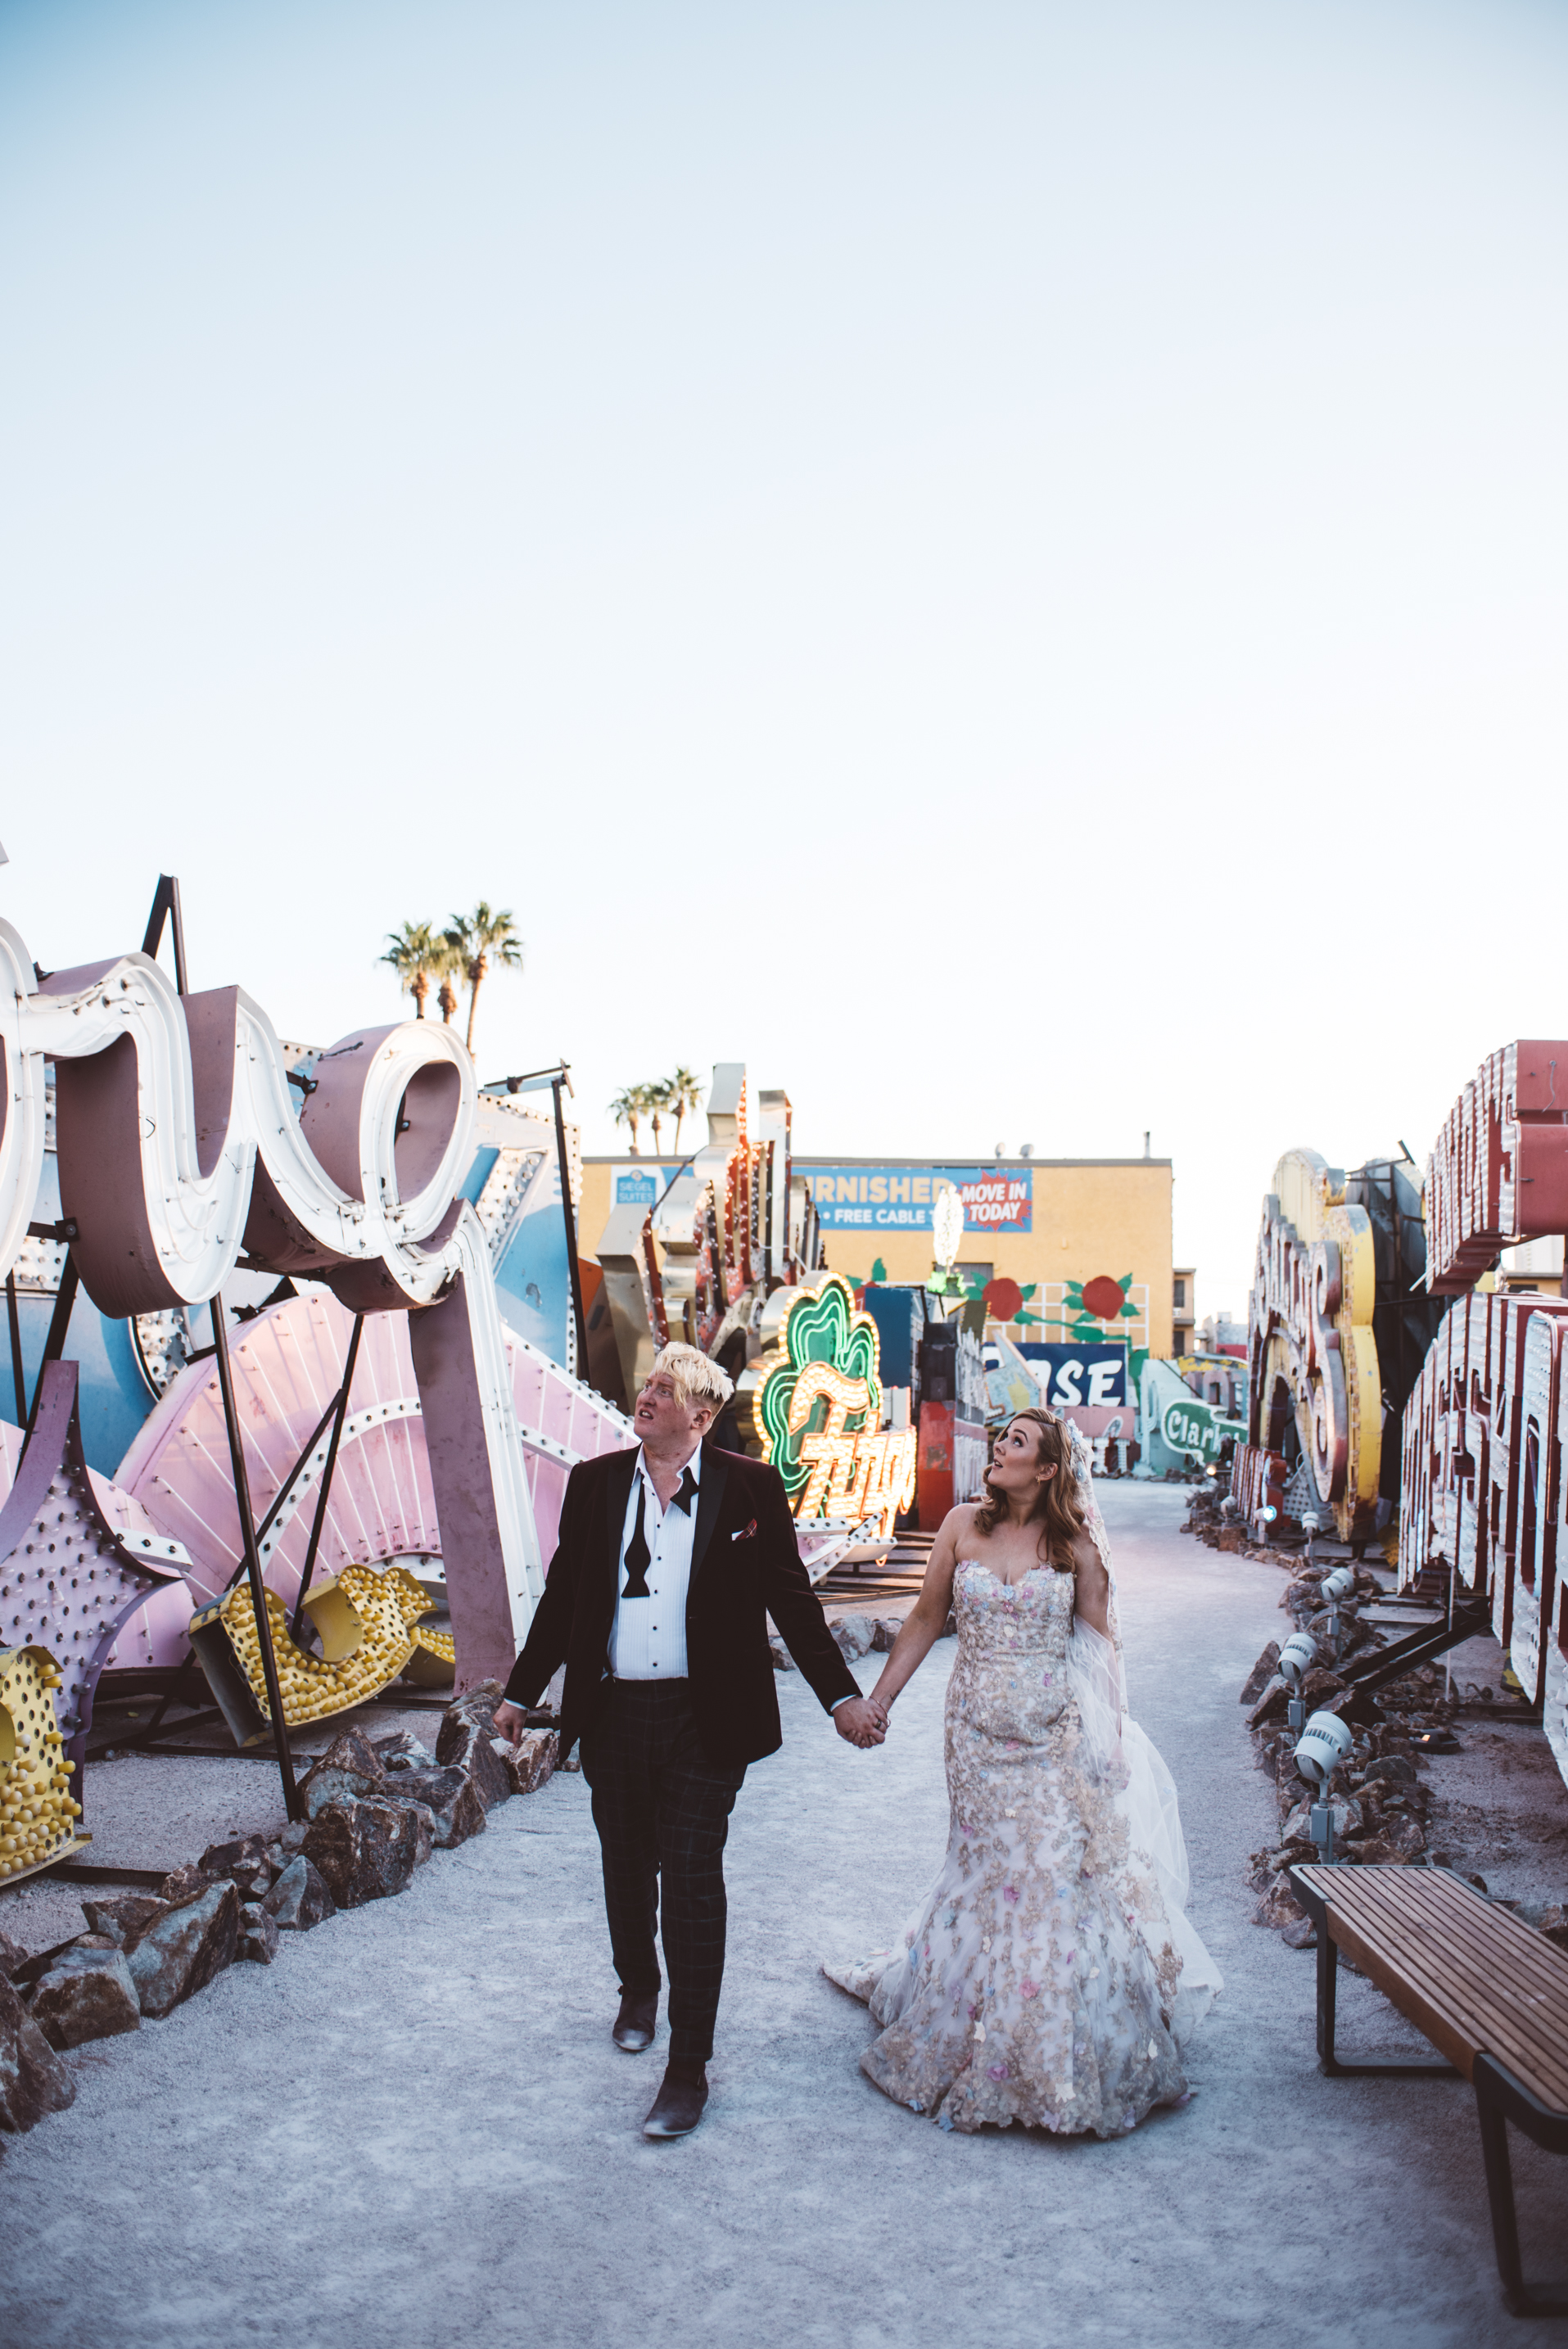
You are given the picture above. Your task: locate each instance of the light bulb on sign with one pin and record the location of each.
(946, 1226)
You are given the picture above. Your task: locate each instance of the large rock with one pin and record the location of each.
(1553, 1923)
(35, 1968)
(181, 1951)
(1397, 1842)
(1319, 1688)
(404, 1751)
(11, 1955)
(244, 1860)
(185, 1883)
(1393, 1769)
(783, 1660)
(884, 1631)
(853, 1635)
(1279, 1907)
(121, 1915)
(364, 1851)
(33, 2080)
(87, 1993)
(450, 1797)
(479, 1702)
(330, 1782)
(1348, 1819)
(258, 1935)
(532, 1761)
(299, 1899)
(464, 1745)
(352, 1750)
(1270, 1705)
(1261, 1673)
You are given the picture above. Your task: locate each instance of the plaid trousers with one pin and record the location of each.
(662, 1809)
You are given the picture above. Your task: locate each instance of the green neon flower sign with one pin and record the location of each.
(822, 1327)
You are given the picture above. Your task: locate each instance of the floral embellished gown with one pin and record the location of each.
(1039, 1982)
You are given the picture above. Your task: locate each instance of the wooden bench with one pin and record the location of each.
(1489, 1993)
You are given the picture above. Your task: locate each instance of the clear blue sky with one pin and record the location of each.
(1003, 564)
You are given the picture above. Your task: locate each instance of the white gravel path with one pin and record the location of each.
(413, 2131)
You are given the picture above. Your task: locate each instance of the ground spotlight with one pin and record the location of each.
(1297, 1657)
(1323, 1744)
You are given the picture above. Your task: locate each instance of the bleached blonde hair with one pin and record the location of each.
(695, 1378)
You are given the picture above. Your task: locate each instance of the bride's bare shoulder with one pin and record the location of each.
(958, 1524)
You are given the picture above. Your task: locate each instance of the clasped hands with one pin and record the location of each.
(862, 1720)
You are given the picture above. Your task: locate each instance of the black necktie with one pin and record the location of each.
(639, 1556)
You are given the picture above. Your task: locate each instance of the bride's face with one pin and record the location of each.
(1016, 1468)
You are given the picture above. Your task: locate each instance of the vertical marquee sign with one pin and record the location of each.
(812, 1406)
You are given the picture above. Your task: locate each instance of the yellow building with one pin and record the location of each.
(1059, 1225)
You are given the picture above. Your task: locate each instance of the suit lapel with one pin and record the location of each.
(617, 1488)
(710, 1498)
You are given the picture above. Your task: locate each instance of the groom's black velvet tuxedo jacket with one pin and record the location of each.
(745, 1566)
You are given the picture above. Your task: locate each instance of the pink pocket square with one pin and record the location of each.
(745, 1532)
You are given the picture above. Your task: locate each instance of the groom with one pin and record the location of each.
(670, 1557)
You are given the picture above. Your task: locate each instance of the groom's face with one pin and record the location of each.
(663, 1421)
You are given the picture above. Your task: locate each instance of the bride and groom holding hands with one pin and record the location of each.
(1050, 1975)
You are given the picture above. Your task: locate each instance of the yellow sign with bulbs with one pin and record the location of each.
(369, 1628)
(37, 1816)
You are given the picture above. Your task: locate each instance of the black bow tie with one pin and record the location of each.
(639, 1556)
(686, 1492)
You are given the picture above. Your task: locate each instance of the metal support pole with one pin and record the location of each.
(253, 1558)
(166, 907)
(572, 1264)
(55, 1343)
(322, 1496)
(16, 1321)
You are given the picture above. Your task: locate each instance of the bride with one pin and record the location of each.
(1051, 1975)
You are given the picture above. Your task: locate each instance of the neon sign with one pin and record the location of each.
(815, 1406)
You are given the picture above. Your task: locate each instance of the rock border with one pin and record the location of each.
(374, 1812)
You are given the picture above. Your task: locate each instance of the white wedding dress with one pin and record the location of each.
(1051, 1975)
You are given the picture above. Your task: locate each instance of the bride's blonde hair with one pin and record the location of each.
(1058, 1509)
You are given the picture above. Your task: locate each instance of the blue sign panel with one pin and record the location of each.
(636, 1190)
(903, 1198)
(1095, 1375)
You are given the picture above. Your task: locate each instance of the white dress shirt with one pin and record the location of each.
(648, 1639)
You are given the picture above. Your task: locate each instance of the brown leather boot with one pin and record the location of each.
(678, 2107)
(636, 2023)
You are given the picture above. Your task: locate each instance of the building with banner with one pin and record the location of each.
(1066, 1232)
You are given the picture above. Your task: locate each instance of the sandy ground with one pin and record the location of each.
(414, 2129)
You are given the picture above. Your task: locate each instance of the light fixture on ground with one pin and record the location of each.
(1335, 1586)
(1297, 1657)
(1323, 1744)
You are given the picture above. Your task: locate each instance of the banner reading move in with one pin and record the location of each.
(903, 1198)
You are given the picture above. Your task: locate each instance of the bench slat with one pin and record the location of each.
(1502, 1937)
(1416, 1940)
(1534, 1977)
(1493, 1973)
(1433, 1898)
(1505, 1937)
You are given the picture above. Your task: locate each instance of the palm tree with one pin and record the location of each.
(659, 1099)
(414, 953)
(683, 1090)
(477, 940)
(446, 964)
(627, 1107)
